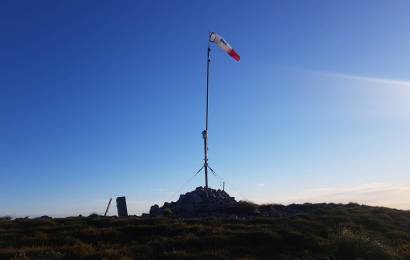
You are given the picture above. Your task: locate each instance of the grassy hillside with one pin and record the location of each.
(308, 231)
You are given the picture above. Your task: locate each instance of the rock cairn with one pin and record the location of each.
(198, 203)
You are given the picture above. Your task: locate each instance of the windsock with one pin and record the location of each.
(224, 45)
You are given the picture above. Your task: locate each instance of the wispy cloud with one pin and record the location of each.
(368, 95)
(369, 79)
(376, 194)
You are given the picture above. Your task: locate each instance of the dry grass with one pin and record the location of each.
(322, 231)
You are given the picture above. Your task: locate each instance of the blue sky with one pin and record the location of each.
(102, 98)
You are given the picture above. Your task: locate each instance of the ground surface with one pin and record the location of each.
(313, 231)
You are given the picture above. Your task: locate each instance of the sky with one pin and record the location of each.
(100, 99)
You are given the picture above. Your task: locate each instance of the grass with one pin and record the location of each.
(312, 231)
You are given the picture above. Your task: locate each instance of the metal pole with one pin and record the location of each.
(205, 132)
(108, 207)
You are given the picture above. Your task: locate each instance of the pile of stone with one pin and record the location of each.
(201, 202)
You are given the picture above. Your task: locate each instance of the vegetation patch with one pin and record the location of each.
(308, 231)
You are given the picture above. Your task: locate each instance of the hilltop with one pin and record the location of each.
(297, 231)
(206, 202)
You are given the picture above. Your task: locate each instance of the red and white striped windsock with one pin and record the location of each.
(224, 45)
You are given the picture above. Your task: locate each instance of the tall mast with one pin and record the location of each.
(205, 132)
(215, 38)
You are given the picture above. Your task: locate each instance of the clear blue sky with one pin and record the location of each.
(106, 98)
